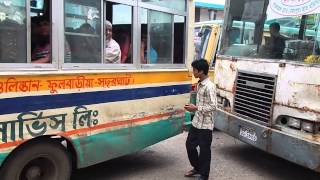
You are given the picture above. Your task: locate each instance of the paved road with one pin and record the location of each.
(231, 160)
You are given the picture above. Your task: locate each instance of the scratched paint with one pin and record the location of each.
(297, 91)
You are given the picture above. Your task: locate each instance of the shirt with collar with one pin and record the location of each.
(206, 103)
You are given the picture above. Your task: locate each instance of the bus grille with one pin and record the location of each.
(254, 95)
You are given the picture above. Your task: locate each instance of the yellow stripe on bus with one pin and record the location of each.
(53, 83)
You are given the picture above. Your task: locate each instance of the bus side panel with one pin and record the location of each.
(105, 110)
(111, 144)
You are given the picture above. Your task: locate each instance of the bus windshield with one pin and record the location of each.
(201, 39)
(272, 33)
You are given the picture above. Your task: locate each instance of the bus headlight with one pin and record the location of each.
(308, 126)
(294, 123)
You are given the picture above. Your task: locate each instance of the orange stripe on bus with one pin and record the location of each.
(99, 127)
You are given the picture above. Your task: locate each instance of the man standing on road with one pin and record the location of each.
(200, 133)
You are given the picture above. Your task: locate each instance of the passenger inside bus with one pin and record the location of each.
(124, 41)
(152, 54)
(42, 50)
(112, 49)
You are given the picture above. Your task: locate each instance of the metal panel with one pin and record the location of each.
(254, 97)
(302, 151)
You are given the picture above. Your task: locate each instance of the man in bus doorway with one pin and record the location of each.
(200, 133)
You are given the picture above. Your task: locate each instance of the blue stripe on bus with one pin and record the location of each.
(33, 103)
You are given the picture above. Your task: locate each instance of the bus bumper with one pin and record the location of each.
(298, 150)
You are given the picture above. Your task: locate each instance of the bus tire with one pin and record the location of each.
(41, 160)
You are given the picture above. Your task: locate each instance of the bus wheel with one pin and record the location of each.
(42, 160)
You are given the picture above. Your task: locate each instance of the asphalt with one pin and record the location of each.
(167, 160)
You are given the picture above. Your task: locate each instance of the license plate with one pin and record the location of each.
(248, 134)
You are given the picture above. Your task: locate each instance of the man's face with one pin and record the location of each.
(44, 29)
(196, 73)
(108, 33)
(273, 31)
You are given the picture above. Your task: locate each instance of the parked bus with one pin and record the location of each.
(206, 38)
(271, 102)
(63, 105)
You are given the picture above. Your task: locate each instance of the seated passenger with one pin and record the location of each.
(42, 50)
(276, 44)
(125, 47)
(112, 49)
(153, 55)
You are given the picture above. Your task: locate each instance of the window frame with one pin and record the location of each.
(172, 12)
(58, 39)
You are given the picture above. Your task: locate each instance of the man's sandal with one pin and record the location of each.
(191, 173)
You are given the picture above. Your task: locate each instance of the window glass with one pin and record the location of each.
(293, 37)
(243, 34)
(179, 36)
(13, 46)
(156, 37)
(83, 31)
(118, 34)
(176, 4)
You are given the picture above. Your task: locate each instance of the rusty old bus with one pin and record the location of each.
(63, 104)
(271, 102)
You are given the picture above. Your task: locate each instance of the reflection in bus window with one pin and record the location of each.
(121, 18)
(13, 46)
(83, 31)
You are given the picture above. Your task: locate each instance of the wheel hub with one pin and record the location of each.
(33, 173)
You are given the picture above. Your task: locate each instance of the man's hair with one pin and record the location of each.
(201, 65)
(275, 25)
(108, 24)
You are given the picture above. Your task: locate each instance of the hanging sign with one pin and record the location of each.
(293, 7)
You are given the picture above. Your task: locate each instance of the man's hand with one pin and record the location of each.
(191, 107)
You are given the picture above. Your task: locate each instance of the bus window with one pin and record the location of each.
(156, 38)
(120, 17)
(83, 31)
(13, 34)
